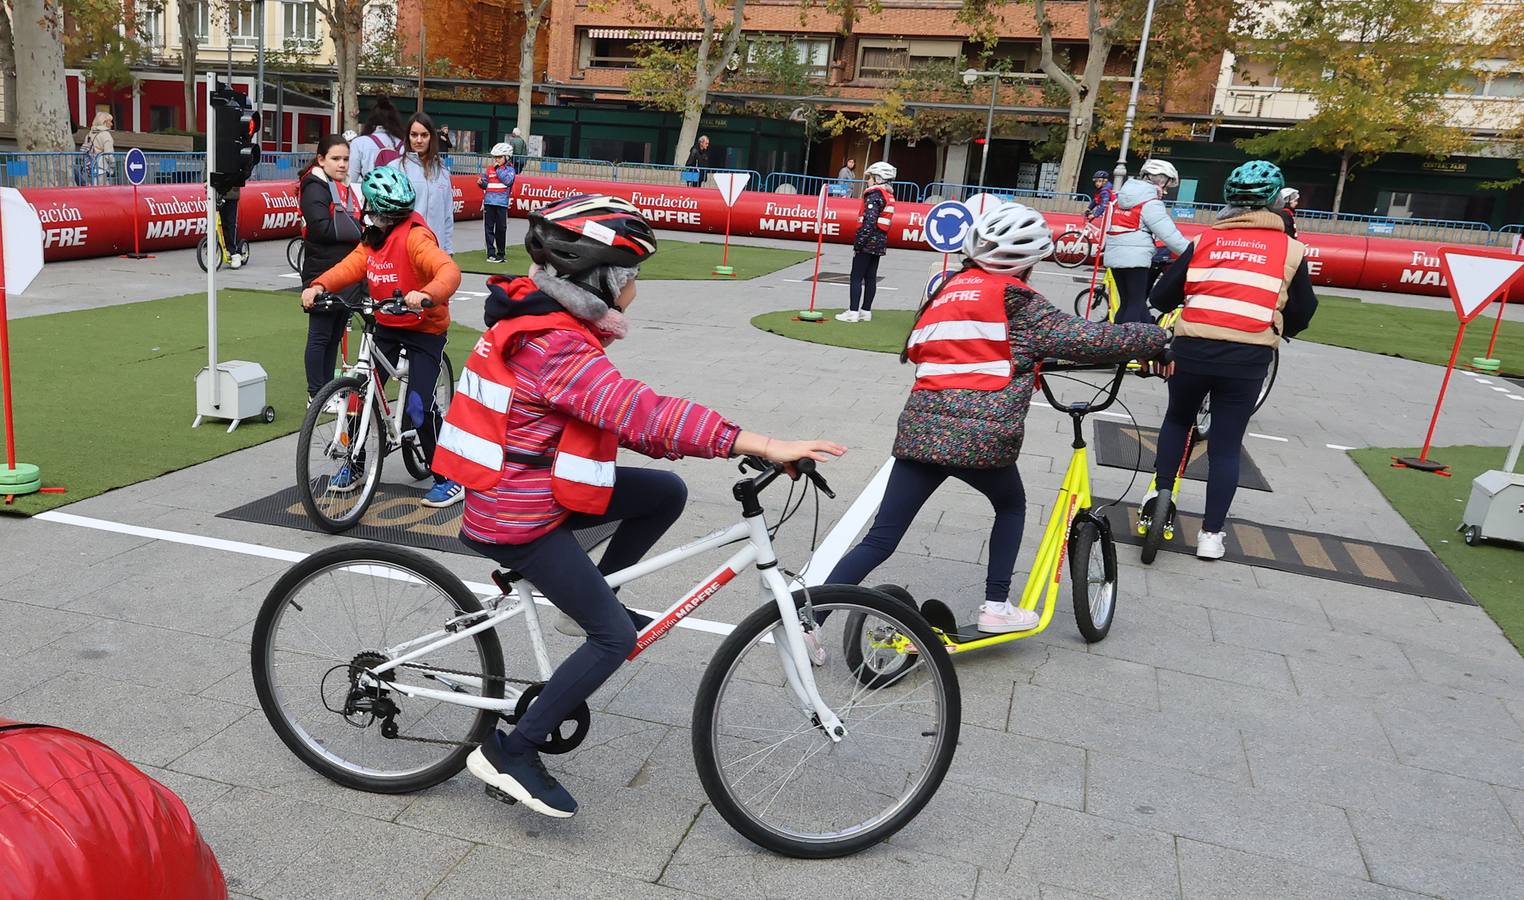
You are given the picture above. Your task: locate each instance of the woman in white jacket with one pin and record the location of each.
(425, 167)
(1138, 219)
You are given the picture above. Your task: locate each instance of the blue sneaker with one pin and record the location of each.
(445, 493)
(347, 480)
(519, 778)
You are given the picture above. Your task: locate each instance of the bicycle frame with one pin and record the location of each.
(369, 364)
(758, 552)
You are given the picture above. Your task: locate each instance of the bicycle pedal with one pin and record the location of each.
(499, 794)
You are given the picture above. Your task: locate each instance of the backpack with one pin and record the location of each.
(386, 155)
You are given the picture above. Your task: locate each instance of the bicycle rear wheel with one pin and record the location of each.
(774, 774)
(1093, 576)
(444, 392)
(1092, 304)
(1264, 389)
(1071, 249)
(327, 623)
(201, 254)
(1153, 538)
(338, 469)
(872, 646)
(296, 249)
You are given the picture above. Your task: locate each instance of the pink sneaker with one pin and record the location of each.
(1005, 618)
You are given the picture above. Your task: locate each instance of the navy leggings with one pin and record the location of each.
(325, 335)
(425, 357)
(911, 484)
(1132, 294)
(1232, 404)
(495, 221)
(645, 503)
(863, 284)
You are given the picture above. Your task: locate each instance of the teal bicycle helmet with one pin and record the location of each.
(1256, 183)
(388, 192)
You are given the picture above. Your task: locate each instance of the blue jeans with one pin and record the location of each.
(910, 485)
(645, 503)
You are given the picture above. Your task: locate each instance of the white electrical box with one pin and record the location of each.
(1496, 509)
(241, 393)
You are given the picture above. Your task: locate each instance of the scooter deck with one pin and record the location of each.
(940, 616)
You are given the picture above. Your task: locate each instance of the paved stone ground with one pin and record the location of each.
(1241, 733)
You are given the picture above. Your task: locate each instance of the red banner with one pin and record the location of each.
(97, 221)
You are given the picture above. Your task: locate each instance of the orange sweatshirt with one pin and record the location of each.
(434, 268)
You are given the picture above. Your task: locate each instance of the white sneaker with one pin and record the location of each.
(1004, 618)
(865, 316)
(1209, 544)
(848, 316)
(818, 654)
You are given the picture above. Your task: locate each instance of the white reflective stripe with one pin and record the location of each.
(1236, 276)
(583, 470)
(926, 370)
(490, 394)
(958, 330)
(1232, 307)
(462, 443)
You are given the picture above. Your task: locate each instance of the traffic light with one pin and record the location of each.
(235, 128)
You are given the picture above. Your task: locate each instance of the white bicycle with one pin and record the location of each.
(351, 425)
(382, 670)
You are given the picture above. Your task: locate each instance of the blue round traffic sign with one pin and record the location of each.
(137, 166)
(946, 225)
(935, 284)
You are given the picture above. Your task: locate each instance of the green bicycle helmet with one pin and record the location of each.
(1256, 183)
(388, 192)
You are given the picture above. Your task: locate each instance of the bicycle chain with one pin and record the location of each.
(496, 679)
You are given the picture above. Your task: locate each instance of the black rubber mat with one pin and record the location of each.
(394, 517)
(1405, 570)
(1116, 445)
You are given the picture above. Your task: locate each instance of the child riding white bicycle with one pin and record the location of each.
(400, 253)
(533, 432)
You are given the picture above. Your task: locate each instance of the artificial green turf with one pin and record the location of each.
(674, 261)
(885, 334)
(1424, 335)
(105, 397)
(1493, 572)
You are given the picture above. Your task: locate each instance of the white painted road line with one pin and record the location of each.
(692, 623)
(1479, 379)
(1269, 437)
(1338, 447)
(1515, 397)
(1501, 389)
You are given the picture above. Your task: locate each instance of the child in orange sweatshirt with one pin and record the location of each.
(400, 253)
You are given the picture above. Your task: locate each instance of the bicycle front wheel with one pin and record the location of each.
(201, 254)
(326, 626)
(1071, 249)
(1093, 576)
(338, 463)
(771, 770)
(295, 250)
(1092, 304)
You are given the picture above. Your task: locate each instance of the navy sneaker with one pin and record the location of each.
(445, 493)
(346, 480)
(519, 777)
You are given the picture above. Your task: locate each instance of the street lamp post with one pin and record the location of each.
(970, 78)
(1120, 172)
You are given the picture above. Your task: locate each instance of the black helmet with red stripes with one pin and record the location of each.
(587, 231)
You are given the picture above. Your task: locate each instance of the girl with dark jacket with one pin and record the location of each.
(870, 242)
(331, 209)
(975, 344)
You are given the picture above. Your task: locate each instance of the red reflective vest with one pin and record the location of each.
(885, 215)
(1124, 221)
(1236, 279)
(470, 448)
(390, 269)
(962, 341)
(494, 184)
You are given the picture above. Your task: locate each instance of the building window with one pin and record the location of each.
(1255, 73)
(161, 118)
(151, 27)
(301, 23)
(813, 53)
(1509, 85)
(883, 60)
(245, 30)
(201, 22)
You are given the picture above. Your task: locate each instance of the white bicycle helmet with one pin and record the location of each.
(882, 171)
(501, 148)
(1160, 167)
(1288, 195)
(1008, 239)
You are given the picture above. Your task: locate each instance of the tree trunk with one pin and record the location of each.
(186, 13)
(1343, 175)
(347, 41)
(7, 66)
(42, 97)
(1083, 93)
(533, 12)
(705, 74)
(1081, 120)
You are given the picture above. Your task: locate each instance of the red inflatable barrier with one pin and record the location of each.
(97, 221)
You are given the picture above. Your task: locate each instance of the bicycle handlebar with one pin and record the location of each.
(770, 470)
(327, 301)
(1081, 407)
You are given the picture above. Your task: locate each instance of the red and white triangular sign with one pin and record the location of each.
(821, 206)
(731, 184)
(1476, 277)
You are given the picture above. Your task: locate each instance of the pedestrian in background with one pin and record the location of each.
(331, 211)
(380, 141)
(496, 184)
(446, 143)
(870, 242)
(520, 149)
(99, 148)
(425, 167)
